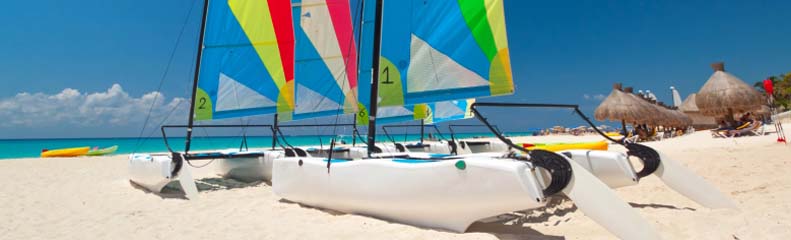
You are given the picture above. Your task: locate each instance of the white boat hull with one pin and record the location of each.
(250, 169)
(481, 146)
(350, 152)
(440, 147)
(612, 168)
(152, 172)
(435, 194)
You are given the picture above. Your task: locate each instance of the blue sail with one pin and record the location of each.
(446, 50)
(247, 65)
(436, 112)
(437, 50)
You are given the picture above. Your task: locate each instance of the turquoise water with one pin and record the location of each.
(29, 148)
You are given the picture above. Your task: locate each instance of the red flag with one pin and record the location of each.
(768, 87)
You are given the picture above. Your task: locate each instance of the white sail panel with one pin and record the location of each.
(431, 70)
(233, 95)
(446, 109)
(310, 101)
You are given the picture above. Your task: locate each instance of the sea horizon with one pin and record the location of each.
(32, 147)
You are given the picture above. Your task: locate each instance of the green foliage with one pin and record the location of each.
(782, 89)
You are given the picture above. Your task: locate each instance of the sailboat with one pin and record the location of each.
(613, 168)
(296, 61)
(457, 49)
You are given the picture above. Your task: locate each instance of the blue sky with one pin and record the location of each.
(561, 51)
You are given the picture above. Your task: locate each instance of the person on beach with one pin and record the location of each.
(724, 126)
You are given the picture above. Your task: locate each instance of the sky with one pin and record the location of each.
(93, 68)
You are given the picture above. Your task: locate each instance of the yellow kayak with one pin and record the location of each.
(599, 145)
(66, 152)
(613, 134)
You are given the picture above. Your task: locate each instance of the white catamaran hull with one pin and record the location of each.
(446, 194)
(612, 168)
(250, 169)
(155, 171)
(350, 152)
(152, 172)
(440, 147)
(481, 146)
(434, 194)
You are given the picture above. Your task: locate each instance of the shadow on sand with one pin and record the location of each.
(656, 205)
(511, 226)
(499, 227)
(173, 189)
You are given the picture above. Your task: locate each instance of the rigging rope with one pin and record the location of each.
(162, 79)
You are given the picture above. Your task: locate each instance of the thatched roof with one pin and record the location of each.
(618, 106)
(653, 115)
(689, 104)
(725, 93)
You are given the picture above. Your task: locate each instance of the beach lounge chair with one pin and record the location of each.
(726, 133)
(754, 128)
(720, 133)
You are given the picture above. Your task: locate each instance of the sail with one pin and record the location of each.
(428, 112)
(436, 50)
(325, 59)
(247, 63)
(439, 50)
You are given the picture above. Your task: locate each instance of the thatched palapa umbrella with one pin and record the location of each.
(653, 115)
(618, 106)
(699, 121)
(726, 94)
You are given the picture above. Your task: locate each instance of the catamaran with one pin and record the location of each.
(259, 58)
(613, 168)
(456, 49)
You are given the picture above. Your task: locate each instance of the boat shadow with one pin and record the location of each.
(501, 229)
(173, 189)
(656, 205)
(512, 225)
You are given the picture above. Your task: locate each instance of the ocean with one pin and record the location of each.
(31, 148)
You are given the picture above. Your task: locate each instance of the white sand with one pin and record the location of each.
(91, 198)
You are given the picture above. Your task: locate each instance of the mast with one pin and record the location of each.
(375, 78)
(274, 132)
(195, 80)
(422, 125)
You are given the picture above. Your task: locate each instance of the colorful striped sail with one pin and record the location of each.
(428, 112)
(326, 59)
(437, 50)
(247, 67)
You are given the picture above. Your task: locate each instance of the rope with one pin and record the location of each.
(162, 78)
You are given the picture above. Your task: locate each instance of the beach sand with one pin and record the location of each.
(91, 198)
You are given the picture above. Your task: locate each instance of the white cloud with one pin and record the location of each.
(599, 97)
(70, 107)
(596, 97)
